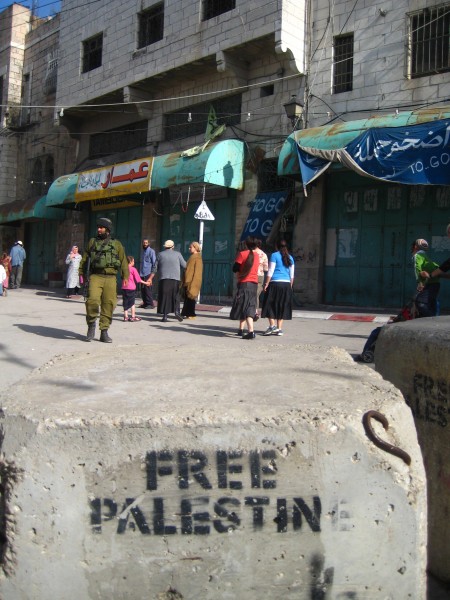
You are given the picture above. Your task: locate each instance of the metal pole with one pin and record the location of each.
(200, 241)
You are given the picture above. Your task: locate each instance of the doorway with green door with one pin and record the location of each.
(218, 252)
(369, 229)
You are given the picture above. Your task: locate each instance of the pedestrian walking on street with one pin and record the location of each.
(2, 280)
(104, 258)
(427, 288)
(18, 256)
(246, 266)
(168, 265)
(262, 274)
(129, 291)
(148, 260)
(442, 270)
(192, 281)
(73, 259)
(5, 261)
(277, 303)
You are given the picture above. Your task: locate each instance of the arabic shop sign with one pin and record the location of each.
(415, 155)
(115, 180)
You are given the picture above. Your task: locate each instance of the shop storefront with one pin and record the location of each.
(383, 186)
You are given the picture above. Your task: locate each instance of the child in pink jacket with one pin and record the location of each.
(129, 291)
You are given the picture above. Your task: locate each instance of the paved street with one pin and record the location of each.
(37, 324)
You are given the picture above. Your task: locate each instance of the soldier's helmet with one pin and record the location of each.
(104, 222)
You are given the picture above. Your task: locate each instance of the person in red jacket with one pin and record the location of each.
(244, 304)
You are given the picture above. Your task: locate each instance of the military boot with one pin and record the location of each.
(90, 332)
(104, 337)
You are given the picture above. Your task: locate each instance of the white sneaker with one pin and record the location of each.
(277, 331)
(269, 330)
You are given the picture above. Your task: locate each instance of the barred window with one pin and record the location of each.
(343, 63)
(92, 53)
(269, 180)
(119, 139)
(36, 183)
(429, 36)
(213, 8)
(193, 120)
(50, 80)
(151, 25)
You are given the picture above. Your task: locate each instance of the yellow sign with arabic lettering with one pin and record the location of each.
(115, 180)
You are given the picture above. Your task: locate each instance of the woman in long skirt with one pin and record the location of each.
(244, 303)
(277, 304)
(73, 280)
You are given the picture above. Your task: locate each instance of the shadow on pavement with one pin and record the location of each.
(50, 332)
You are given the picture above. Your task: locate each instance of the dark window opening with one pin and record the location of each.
(193, 120)
(269, 180)
(267, 90)
(429, 41)
(151, 26)
(119, 139)
(214, 8)
(36, 183)
(92, 53)
(343, 64)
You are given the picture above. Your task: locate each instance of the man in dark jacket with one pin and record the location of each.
(104, 258)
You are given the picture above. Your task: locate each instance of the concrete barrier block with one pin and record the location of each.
(177, 472)
(415, 357)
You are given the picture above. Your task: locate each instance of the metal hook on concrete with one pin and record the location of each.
(386, 446)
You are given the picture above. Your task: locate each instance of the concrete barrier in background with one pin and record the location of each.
(176, 472)
(415, 357)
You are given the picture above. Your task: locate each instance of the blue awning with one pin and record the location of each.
(220, 163)
(339, 135)
(62, 191)
(28, 209)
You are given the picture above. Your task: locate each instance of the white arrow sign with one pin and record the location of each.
(203, 213)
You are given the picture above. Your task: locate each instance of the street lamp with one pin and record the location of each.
(294, 111)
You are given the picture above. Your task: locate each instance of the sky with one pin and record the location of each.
(45, 8)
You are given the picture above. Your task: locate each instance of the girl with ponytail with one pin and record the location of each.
(277, 303)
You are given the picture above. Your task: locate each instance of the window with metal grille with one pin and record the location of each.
(343, 63)
(36, 183)
(213, 8)
(92, 53)
(151, 25)
(269, 180)
(192, 120)
(429, 36)
(119, 139)
(51, 74)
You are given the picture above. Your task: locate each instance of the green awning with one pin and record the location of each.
(220, 163)
(62, 191)
(338, 135)
(28, 209)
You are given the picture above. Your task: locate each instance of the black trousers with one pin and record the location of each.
(146, 292)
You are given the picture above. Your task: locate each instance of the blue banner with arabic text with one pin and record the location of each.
(415, 154)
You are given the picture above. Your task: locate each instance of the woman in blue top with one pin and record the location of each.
(277, 303)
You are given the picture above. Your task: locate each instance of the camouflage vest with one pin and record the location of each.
(104, 255)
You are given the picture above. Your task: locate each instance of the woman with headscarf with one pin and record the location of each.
(73, 280)
(244, 304)
(192, 281)
(277, 303)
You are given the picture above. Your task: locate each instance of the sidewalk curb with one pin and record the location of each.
(304, 314)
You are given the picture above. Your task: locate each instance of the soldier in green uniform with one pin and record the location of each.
(104, 258)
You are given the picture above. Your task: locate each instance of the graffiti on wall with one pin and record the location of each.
(186, 492)
(430, 399)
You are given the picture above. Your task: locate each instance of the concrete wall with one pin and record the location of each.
(186, 39)
(208, 486)
(415, 356)
(380, 64)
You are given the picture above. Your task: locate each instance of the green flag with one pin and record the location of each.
(213, 129)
